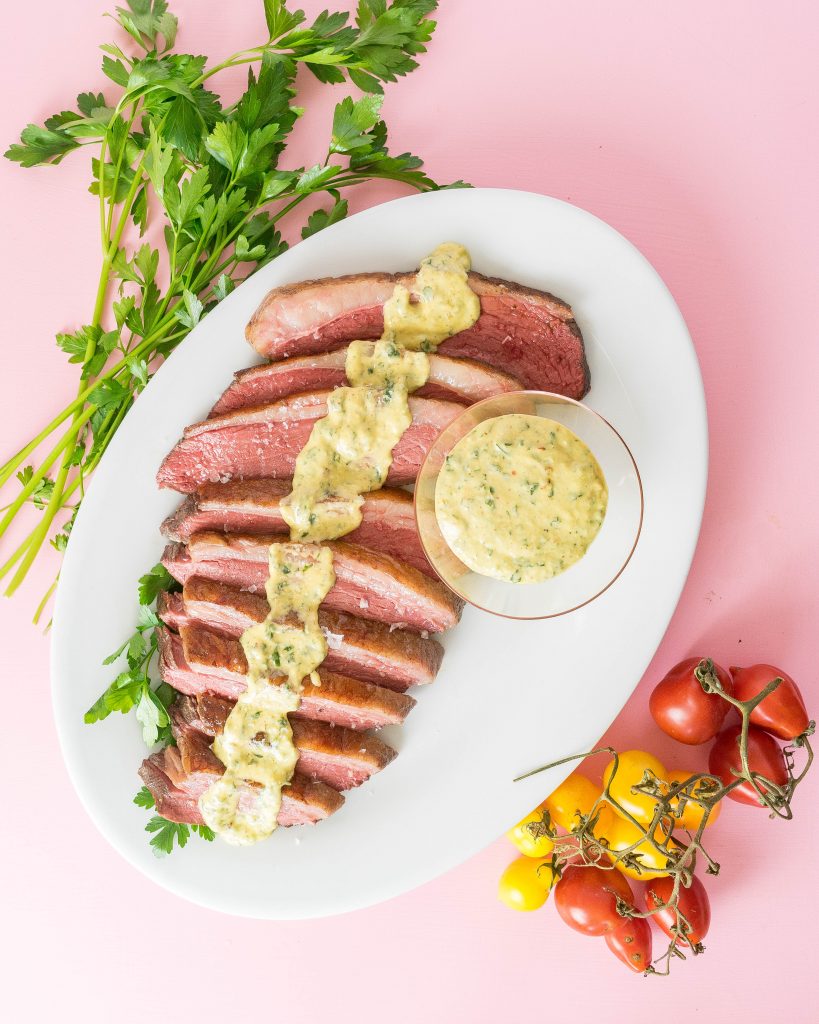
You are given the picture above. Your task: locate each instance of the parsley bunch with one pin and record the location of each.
(163, 139)
(133, 688)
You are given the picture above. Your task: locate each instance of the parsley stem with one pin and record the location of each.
(38, 534)
(18, 554)
(234, 61)
(36, 538)
(117, 172)
(40, 473)
(45, 600)
(27, 551)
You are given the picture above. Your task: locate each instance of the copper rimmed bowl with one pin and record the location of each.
(606, 557)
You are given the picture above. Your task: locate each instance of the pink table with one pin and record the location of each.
(691, 129)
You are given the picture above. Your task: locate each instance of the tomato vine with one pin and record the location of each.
(582, 847)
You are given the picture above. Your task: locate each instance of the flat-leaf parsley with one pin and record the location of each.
(163, 141)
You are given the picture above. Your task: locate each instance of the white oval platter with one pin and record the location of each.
(511, 695)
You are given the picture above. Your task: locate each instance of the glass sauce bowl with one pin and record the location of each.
(606, 557)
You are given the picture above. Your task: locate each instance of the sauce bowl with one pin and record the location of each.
(606, 557)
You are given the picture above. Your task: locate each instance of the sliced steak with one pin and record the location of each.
(368, 584)
(253, 506)
(176, 792)
(336, 699)
(457, 380)
(370, 651)
(521, 331)
(339, 757)
(264, 441)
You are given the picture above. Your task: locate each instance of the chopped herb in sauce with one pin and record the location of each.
(529, 515)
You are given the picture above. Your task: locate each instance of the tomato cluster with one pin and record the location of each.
(595, 900)
(683, 707)
(599, 899)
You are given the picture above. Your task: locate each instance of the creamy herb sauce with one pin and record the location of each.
(256, 744)
(520, 498)
(350, 450)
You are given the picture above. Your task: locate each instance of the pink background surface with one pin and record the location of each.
(692, 130)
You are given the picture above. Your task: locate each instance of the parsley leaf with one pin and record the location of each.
(153, 582)
(146, 20)
(279, 19)
(40, 146)
(165, 834)
(40, 494)
(79, 345)
(144, 798)
(351, 122)
(319, 219)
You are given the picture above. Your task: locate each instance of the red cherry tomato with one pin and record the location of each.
(782, 712)
(681, 707)
(586, 898)
(630, 942)
(693, 903)
(764, 756)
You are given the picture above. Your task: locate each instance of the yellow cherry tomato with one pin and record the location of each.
(525, 884)
(631, 767)
(692, 813)
(526, 843)
(577, 795)
(652, 862)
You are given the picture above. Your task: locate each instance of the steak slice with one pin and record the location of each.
(339, 757)
(457, 380)
(368, 584)
(252, 506)
(521, 331)
(176, 792)
(264, 441)
(336, 699)
(370, 651)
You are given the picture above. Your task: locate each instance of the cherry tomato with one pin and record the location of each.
(631, 767)
(577, 794)
(526, 843)
(586, 898)
(782, 712)
(693, 903)
(631, 942)
(653, 863)
(525, 884)
(764, 756)
(692, 813)
(681, 707)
